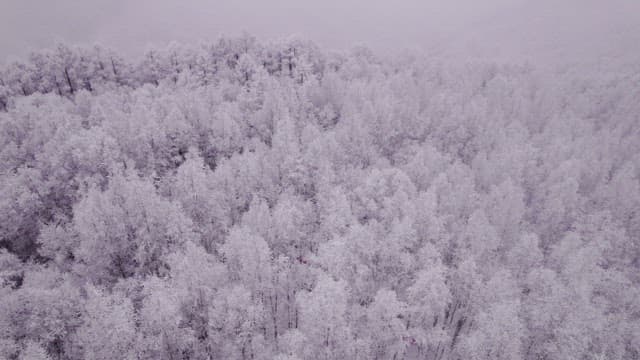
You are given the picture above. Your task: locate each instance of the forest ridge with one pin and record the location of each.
(272, 200)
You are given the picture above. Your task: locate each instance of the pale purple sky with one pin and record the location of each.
(494, 28)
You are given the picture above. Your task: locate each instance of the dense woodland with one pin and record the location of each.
(249, 200)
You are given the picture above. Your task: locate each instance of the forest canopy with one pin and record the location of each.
(273, 200)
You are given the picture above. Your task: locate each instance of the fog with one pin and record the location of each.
(535, 30)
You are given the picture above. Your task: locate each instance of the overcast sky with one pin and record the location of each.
(508, 28)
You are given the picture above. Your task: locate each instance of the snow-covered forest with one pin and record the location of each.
(272, 200)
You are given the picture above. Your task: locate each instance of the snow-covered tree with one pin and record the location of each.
(241, 199)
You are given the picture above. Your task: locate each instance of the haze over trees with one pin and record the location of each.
(247, 200)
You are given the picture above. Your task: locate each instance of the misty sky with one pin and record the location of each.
(496, 28)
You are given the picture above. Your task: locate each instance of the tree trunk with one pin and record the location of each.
(113, 67)
(66, 74)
